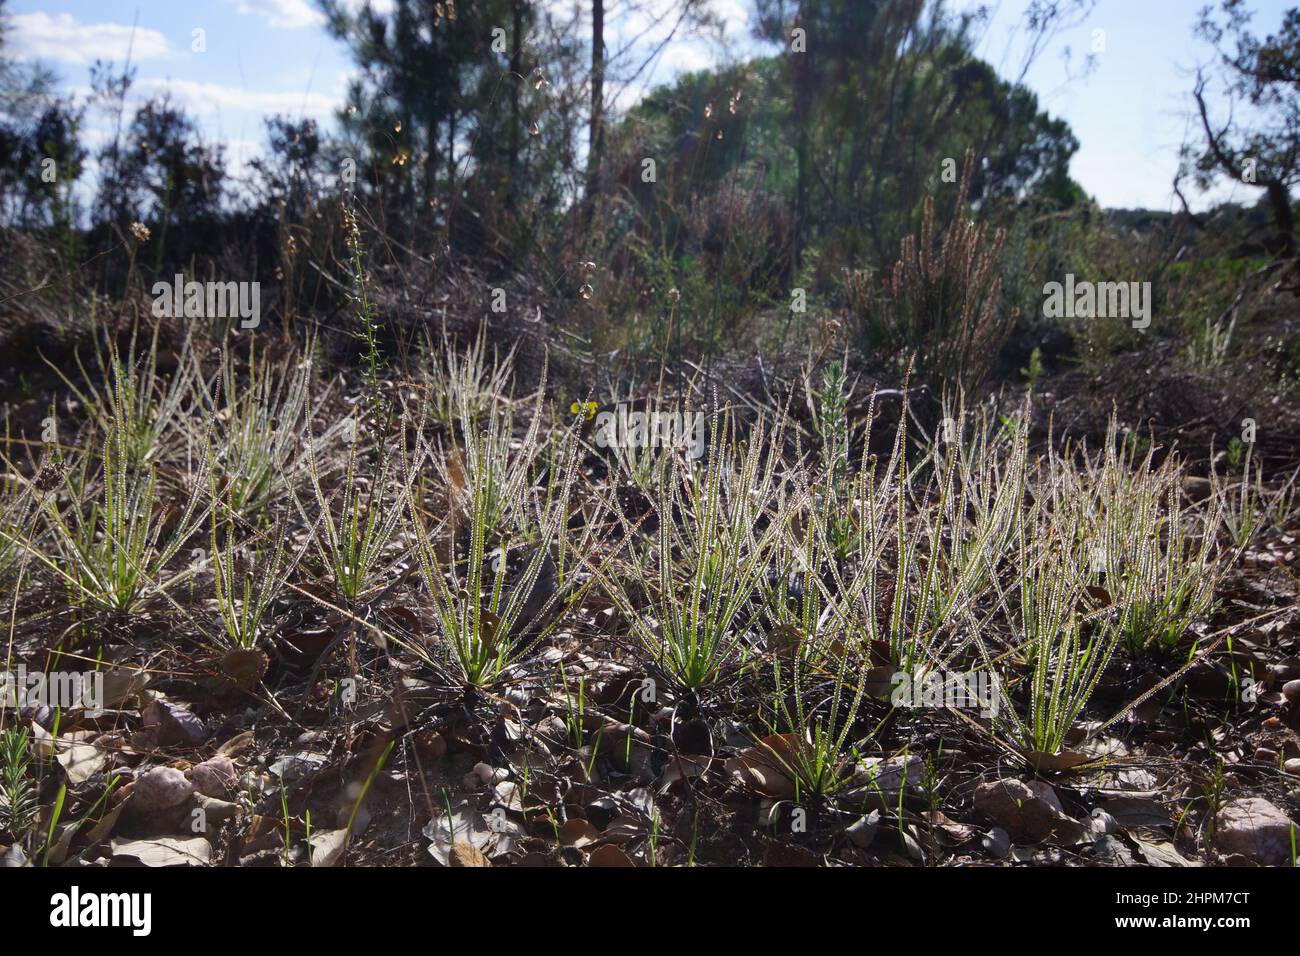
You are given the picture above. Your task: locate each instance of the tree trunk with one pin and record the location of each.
(516, 70)
(1280, 200)
(596, 138)
(801, 81)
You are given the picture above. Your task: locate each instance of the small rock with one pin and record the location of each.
(1292, 766)
(484, 775)
(214, 777)
(160, 789)
(1254, 828)
(466, 854)
(1291, 690)
(217, 811)
(863, 832)
(1027, 809)
(997, 842)
(1265, 755)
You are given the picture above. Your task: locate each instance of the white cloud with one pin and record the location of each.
(63, 39)
(686, 58)
(204, 98)
(382, 7)
(734, 16)
(283, 14)
(239, 154)
(293, 14)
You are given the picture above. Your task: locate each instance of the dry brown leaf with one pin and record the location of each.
(609, 855)
(1137, 812)
(81, 761)
(236, 745)
(166, 851)
(578, 833)
(328, 847)
(1064, 760)
(764, 767)
(948, 831)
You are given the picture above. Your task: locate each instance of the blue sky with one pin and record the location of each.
(1130, 113)
(262, 57)
(274, 56)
